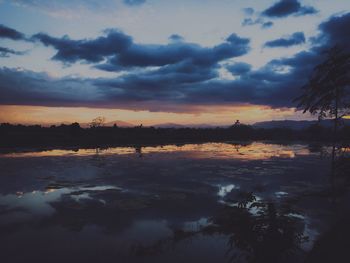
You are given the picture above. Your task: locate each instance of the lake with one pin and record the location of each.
(211, 202)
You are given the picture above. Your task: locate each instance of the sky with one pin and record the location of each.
(161, 61)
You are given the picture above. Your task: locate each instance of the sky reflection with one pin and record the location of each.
(253, 151)
(174, 203)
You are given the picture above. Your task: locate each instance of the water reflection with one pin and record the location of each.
(268, 235)
(274, 233)
(224, 190)
(190, 203)
(253, 151)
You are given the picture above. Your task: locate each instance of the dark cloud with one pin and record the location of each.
(179, 66)
(285, 8)
(259, 21)
(25, 87)
(185, 76)
(161, 55)
(335, 31)
(174, 88)
(176, 38)
(250, 22)
(296, 38)
(267, 24)
(121, 52)
(236, 40)
(275, 84)
(6, 52)
(134, 2)
(7, 32)
(299, 67)
(306, 10)
(70, 51)
(303, 62)
(239, 68)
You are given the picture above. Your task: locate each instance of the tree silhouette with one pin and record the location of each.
(237, 123)
(97, 122)
(327, 92)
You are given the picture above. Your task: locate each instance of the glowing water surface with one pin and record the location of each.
(253, 151)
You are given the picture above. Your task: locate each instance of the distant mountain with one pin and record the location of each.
(119, 123)
(178, 126)
(295, 125)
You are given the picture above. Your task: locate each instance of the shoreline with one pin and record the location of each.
(73, 136)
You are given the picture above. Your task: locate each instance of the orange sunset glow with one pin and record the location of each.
(216, 115)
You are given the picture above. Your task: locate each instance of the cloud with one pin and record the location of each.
(26, 87)
(134, 2)
(239, 68)
(122, 53)
(248, 11)
(250, 22)
(334, 31)
(139, 55)
(93, 51)
(173, 77)
(285, 8)
(258, 21)
(7, 32)
(267, 24)
(175, 88)
(306, 10)
(6, 52)
(296, 38)
(158, 75)
(176, 38)
(275, 84)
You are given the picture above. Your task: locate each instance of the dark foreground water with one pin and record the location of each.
(215, 202)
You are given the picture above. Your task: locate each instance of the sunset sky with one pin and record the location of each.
(162, 61)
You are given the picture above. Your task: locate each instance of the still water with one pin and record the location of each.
(214, 202)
